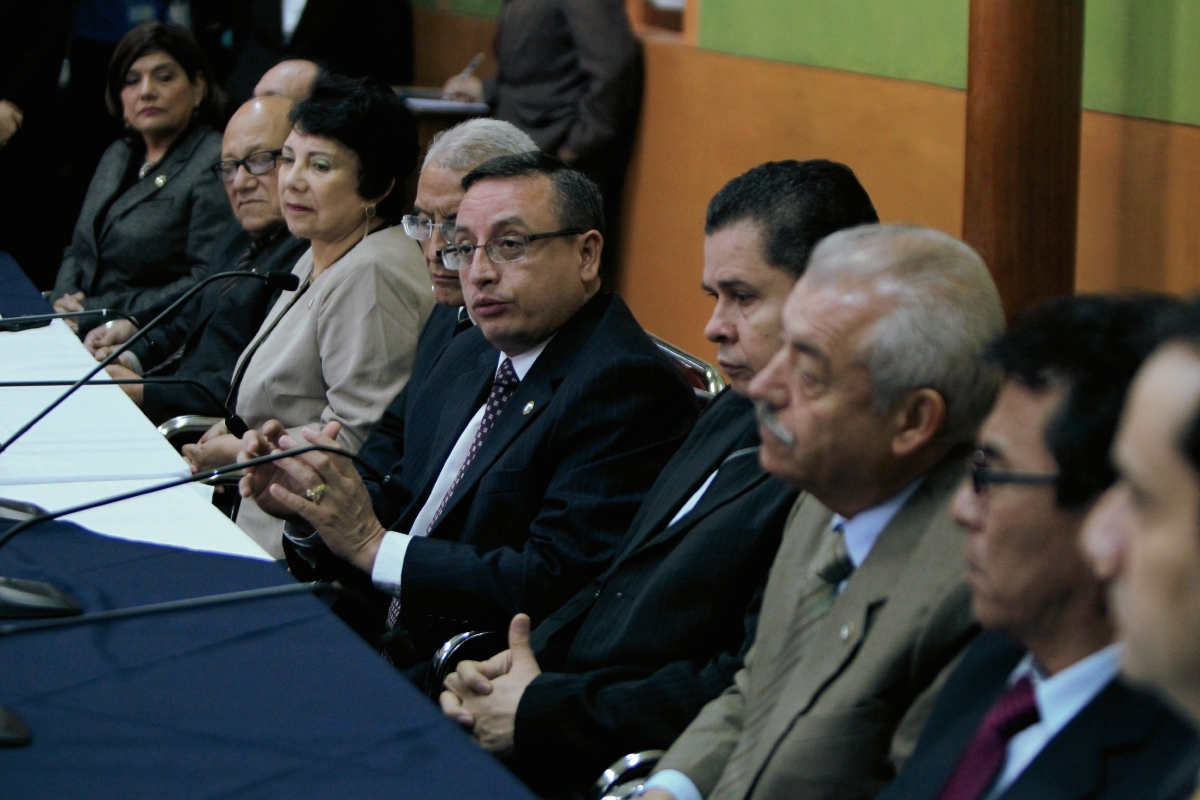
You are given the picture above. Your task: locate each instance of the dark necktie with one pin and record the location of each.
(1012, 713)
(502, 389)
(464, 321)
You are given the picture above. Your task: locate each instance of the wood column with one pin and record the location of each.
(1024, 84)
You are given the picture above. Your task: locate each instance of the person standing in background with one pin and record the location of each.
(356, 38)
(570, 75)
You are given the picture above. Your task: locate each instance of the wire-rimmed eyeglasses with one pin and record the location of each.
(509, 247)
(259, 163)
(421, 228)
(983, 476)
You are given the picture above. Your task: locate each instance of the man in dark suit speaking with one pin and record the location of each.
(1035, 709)
(543, 427)
(629, 661)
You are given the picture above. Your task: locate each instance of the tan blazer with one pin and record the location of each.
(342, 352)
(853, 705)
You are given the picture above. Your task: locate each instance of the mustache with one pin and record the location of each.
(767, 418)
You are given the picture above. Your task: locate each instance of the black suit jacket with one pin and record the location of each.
(631, 659)
(555, 486)
(1121, 745)
(384, 448)
(213, 328)
(350, 37)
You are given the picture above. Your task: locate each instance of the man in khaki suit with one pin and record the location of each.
(870, 408)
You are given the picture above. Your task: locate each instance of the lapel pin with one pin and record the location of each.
(846, 631)
(528, 407)
(160, 181)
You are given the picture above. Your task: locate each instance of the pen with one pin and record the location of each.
(468, 70)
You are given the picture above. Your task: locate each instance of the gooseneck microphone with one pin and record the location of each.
(11, 324)
(122, 382)
(204, 475)
(276, 280)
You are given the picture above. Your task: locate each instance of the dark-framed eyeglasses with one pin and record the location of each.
(509, 247)
(421, 228)
(983, 476)
(259, 163)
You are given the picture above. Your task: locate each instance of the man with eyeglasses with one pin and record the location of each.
(451, 155)
(204, 339)
(530, 445)
(1035, 709)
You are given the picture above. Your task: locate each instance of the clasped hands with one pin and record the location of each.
(342, 515)
(483, 696)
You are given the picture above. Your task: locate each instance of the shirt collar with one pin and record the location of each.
(524, 362)
(1060, 697)
(862, 530)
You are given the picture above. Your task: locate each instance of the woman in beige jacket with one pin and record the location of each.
(341, 346)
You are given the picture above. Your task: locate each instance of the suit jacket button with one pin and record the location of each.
(619, 595)
(846, 631)
(160, 181)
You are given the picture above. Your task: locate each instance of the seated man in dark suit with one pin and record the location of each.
(204, 339)
(451, 155)
(1035, 708)
(629, 661)
(1143, 537)
(540, 432)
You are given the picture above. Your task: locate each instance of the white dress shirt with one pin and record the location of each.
(389, 561)
(861, 532)
(292, 11)
(1060, 698)
(694, 500)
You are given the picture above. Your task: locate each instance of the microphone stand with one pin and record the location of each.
(284, 280)
(123, 382)
(13, 324)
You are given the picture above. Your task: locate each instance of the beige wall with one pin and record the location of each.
(708, 117)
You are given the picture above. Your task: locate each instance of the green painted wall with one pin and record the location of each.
(1141, 57)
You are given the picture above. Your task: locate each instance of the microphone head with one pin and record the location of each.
(283, 280)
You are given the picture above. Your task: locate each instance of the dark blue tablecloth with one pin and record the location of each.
(273, 698)
(18, 295)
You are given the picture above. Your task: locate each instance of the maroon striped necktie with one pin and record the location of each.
(1013, 712)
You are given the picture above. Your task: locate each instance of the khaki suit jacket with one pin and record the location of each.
(853, 704)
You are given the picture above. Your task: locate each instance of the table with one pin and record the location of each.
(267, 698)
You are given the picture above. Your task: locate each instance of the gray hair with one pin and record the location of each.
(946, 312)
(468, 144)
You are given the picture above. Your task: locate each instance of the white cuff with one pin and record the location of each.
(389, 562)
(135, 363)
(675, 782)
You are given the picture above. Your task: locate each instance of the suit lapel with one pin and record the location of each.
(837, 638)
(538, 389)
(149, 186)
(1070, 765)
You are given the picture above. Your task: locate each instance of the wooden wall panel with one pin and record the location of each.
(708, 117)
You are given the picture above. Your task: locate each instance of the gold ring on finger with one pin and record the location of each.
(315, 495)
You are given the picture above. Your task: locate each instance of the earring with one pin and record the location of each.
(370, 211)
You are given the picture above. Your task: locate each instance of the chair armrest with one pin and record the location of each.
(624, 778)
(186, 425)
(469, 646)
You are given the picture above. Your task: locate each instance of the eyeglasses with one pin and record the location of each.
(510, 247)
(983, 476)
(420, 228)
(259, 163)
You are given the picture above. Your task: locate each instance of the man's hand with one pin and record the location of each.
(11, 120)
(466, 90)
(216, 448)
(343, 516)
(68, 303)
(101, 341)
(258, 479)
(134, 390)
(486, 695)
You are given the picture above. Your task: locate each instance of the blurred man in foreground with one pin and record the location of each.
(1145, 532)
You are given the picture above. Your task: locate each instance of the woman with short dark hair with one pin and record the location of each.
(153, 211)
(339, 348)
